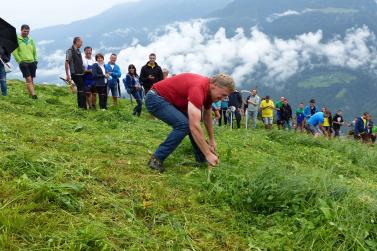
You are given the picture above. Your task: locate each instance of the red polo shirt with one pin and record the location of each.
(184, 88)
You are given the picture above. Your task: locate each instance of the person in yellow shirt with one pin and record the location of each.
(267, 107)
(327, 124)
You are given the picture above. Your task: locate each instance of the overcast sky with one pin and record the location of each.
(42, 13)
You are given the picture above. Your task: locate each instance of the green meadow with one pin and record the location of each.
(79, 180)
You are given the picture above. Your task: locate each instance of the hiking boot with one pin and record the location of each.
(34, 97)
(156, 164)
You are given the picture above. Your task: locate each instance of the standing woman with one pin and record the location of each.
(132, 84)
(100, 77)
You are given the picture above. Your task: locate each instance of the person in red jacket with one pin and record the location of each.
(178, 101)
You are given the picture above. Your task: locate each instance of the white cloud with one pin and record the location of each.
(190, 47)
(276, 16)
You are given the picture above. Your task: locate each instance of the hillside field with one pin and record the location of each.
(78, 180)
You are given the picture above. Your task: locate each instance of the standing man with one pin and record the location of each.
(286, 115)
(151, 73)
(267, 106)
(253, 103)
(115, 73)
(235, 100)
(278, 106)
(26, 57)
(5, 58)
(74, 70)
(178, 101)
(337, 122)
(310, 109)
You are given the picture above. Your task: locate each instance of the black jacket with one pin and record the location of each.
(335, 118)
(98, 75)
(5, 56)
(235, 99)
(286, 112)
(146, 70)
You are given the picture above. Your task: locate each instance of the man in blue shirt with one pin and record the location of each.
(315, 122)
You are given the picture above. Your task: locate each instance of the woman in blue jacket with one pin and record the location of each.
(101, 78)
(133, 86)
(114, 71)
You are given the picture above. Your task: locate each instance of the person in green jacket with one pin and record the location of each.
(26, 57)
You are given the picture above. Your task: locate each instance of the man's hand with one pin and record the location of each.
(213, 147)
(212, 159)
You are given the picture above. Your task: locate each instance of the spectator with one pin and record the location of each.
(300, 118)
(224, 108)
(315, 124)
(216, 108)
(267, 106)
(26, 57)
(327, 123)
(310, 109)
(165, 73)
(101, 77)
(278, 106)
(178, 101)
(337, 122)
(235, 100)
(74, 68)
(113, 83)
(253, 103)
(286, 115)
(90, 88)
(361, 127)
(370, 134)
(5, 58)
(151, 73)
(133, 86)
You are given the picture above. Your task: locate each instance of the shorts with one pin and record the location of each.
(28, 69)
(114, 91)
(327, 128)
(268, 121)
(312, 129)
(90, 89)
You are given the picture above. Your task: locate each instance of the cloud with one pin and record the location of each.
(276, 16)
(250, 55)
(190, 47)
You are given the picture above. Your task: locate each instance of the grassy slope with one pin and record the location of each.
(78, 180)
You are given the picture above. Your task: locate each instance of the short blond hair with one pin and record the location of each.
(223, 81)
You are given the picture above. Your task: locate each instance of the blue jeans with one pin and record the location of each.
(138, 97)
(254, 116)
(166, 112)
(3, 80)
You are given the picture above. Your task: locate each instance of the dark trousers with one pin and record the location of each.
(238, 116)
(166, 112)
(336, 132)
(102, 96)
(223, 116)
(137, 94)
(81, 95)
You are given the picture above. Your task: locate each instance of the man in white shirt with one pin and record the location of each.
(253, 107)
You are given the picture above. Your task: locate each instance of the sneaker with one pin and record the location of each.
(156, 164)
(34, 97)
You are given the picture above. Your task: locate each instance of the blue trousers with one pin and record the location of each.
(163, 110)
(3, 80)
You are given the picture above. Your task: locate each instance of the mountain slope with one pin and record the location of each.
(123, 23)
(78, 180)
(289, 18)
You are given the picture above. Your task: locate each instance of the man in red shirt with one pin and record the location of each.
(178, 101)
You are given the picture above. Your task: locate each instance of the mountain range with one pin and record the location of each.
(337, 85)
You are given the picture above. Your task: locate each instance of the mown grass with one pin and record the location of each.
(78, 180)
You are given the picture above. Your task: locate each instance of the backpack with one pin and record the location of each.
(128, 85)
